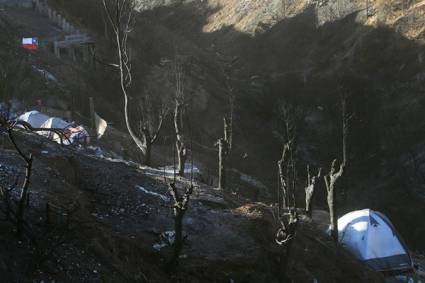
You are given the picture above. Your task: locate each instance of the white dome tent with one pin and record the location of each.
(372, 239)
(72, 134)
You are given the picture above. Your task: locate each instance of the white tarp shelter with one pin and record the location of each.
(71, 134)
(372, 239)
(34, 118)
(55, 123)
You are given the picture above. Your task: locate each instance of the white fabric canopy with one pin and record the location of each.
(71, 134)
(371, 237)
(34, 118)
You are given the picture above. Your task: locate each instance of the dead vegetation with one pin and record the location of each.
(125, 224)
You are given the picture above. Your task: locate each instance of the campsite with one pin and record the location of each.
(212, 141)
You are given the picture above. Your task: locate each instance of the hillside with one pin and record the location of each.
(302, 58)
(271, 53)
(104, 228)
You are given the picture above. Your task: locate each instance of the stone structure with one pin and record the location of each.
(72, 43)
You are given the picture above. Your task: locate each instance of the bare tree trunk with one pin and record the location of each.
(148, 154)
(333, 176)
(228, 130)
(310, 190)
(179, 112)
(333, 214)
(120, 20)
(178, 240)
(284, 238)
(223, 152)
(136, 140)
(180, 139)
(181, 204)
(25, 187)
(23, 198)
(221, 160)
(147, 144)
(282, 163)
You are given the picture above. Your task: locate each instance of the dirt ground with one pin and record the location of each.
(114, 226)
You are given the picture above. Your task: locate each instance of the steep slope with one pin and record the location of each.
(302, 54)
(111, 233)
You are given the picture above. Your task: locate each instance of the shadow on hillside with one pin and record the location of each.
(296, 60)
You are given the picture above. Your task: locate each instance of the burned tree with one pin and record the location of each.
(25, 186)
(335, 173)
(9, 127)
(180, 206)
(224, 147)
(147, 129)
(179, 114)
(283, 194)
(284, 238)
(287, 217)
(224, 144)
(286, 164)
(15, 209)
(120, 15)
(310, 190)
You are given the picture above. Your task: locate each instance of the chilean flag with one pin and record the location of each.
(30, 43)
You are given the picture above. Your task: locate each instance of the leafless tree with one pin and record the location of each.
(284, 238)
(28, 159)
(286, 164)
(224, 147)
(180, 206)
(335, 173)
(148, 130)
(287, 217)
(120, 14)
(18, 214)
(310, 189)
(283, 193)
(179, 115)
(227, 67)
